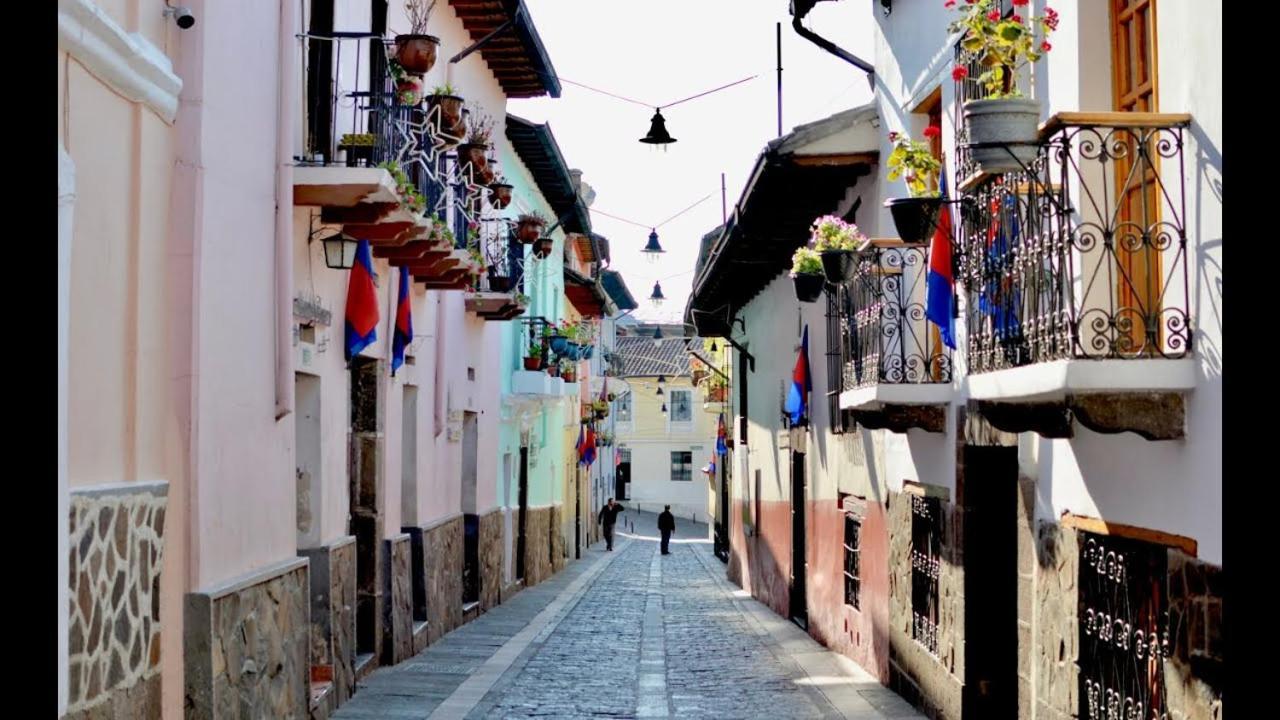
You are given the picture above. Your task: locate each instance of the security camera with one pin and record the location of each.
(181, 15)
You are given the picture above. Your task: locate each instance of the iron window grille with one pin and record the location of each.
(926, 562)
(852, 559)
(681, 466)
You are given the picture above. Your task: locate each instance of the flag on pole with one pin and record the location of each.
(801, 383)
(940, 283)
(403, 334)
(362, 303)
(721, 446)
(586, 445)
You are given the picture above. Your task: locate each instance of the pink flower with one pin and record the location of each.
(1051, 18)
(893, 136)
(959, 73)
(949, 4)
(994, 16)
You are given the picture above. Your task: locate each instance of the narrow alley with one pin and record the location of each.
(628, 634)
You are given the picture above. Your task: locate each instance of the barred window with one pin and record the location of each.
(681, 466)
(852, 559)
(926, 561)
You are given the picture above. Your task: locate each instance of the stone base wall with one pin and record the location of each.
(537, 546)
(442, 551)
(247, 646)
(333, 614)
(116, 554)
(491, 556)
(397, 620)
(1193, 676)
(1055, 632)
(557, 539)
(933, 684)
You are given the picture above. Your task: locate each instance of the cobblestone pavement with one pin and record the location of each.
(628, 634)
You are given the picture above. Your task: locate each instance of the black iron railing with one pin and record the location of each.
(885, 336)
(1083, 253)
(503, 259)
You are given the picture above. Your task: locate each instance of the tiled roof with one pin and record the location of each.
(641, 359)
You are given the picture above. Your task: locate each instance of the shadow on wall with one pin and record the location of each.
(1208, 251)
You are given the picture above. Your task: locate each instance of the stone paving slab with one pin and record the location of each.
(629, 634)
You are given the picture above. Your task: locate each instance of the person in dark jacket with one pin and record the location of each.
(666, 525)
(607, 517)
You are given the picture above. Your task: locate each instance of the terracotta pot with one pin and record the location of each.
(469, 153)
(542, 247)
(409, 91)
(533, 363)
(450, 110)
(553, 371)
(417, 53)
(500, 283)
(529, 232)
(567, 375)
(486, 174)
(501, 196)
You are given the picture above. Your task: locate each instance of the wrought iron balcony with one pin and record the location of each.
(1082, 256)
(893, 369)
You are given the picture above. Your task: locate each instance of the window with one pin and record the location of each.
(926, 552)
(681, 466)
(623, 407)
(852, 561)
(681, 406)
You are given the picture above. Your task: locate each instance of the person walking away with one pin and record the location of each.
(666, 525)
(607, 517)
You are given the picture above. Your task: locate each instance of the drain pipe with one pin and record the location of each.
(284, 209)
(834, 49)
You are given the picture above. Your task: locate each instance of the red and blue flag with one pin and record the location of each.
(940, 284)
(362, 303)
(721, 446)
(801, 383)
(586, 445)
(403, 334)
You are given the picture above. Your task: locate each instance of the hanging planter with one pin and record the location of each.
(1003, 133)
(838, 265)
(499, 283)
(487, 175)
(542, 247)
(416, 52)
(915, 218)
(837, 243)
(450, 107)
(529, 228)
(501, 194)
(806, 273)
(472, 154)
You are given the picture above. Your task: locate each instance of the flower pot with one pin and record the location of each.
(499, 283)
(553, 371)
(839, 265)
(567, 375)
(808, 286)
(450, 111)
(542, 248)
(528, 232)
(533, 363)
(472, 154)
(357, 153)
(1010, 122)
(915, 218)
(417, 53)
(501, 196)
(486, 173)
(409, 90)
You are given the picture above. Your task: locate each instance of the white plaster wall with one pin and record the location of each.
(651, 484)
(66, 216)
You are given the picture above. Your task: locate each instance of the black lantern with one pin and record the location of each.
(340, 251)
(657, 338)
(658, 134)
(713, 346)
(653, 249)
(664, 408)
(657, 297)
(659, 393)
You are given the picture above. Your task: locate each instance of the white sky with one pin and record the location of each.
(659, 51)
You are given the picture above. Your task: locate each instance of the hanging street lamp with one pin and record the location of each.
(658, 134)
(653, 248)
(657, 340)
(657, 297)
(340, 251)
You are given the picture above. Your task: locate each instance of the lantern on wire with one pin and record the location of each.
(653, 248)
(658, 134)
(340, 251)
(657, 340)
(657, 297)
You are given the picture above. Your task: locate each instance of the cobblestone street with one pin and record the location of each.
(628, 634)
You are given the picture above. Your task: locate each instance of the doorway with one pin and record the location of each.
(722, 522)
(307, 436)
(622, 477)
(991, 573)
(522, 512)
(365, 523)
(471, 520)
(799, 604)
(577, 513)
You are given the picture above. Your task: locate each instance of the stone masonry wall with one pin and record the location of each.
(117, 551)
(1193, 675)
(537, 546)
(931, 683)
(332, 580)
(442, 553)
(557, 539)
(397, 622)
(1056, 633)
(246, 647)
(491, 559)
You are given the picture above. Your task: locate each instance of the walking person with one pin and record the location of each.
(607, 517)
(666, 525)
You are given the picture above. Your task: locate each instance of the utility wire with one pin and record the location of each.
(604, 92)
(651, 105)
(647, 225)
(722, 87)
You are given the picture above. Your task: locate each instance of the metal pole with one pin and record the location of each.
(724, 212)
(779, 29)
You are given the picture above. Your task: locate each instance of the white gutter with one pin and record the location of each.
(285, 100)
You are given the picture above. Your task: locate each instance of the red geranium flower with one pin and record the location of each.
(949, 4)
(1020, 3)
(1017, 18)
(1045, 46)
(994, 16)
(959, 73)
(932, 131)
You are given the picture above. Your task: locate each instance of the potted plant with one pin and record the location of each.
(408, 86)
(500, 190)
(498, 283)
(915, 216)
(529, 227)
(567, 371)
(543, 247)
(479, 130)
(835, 242)
(450, 104)
(600, 408)
(534, 359)
(553, 369)
(806, 272)
(416, 50)
(358, 147)
(1003, 123)
(410, 198)
(522, 300)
